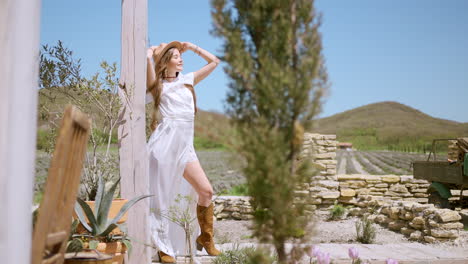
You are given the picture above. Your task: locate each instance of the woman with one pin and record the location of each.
(174, 168)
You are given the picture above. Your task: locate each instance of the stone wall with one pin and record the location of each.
(382, 187)
(452, 152)
(420, 222)
(323, 187)
(232, 208)
(326, 187)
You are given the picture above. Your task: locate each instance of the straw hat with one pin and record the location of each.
(163, 48)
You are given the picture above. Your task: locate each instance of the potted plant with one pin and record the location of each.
(116, 206)
(99, 226)
(76, 253)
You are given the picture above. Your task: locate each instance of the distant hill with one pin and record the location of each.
(389, 125)
(384, 125)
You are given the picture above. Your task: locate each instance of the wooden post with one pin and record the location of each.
(131, 131)
(19, 50)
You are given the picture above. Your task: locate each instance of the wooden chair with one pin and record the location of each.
(53, 225)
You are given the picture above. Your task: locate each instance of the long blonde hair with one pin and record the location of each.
(156, 89)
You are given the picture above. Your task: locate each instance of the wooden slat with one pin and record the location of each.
(55, 238)
(81, 120)
(54, 219)
(54, 259)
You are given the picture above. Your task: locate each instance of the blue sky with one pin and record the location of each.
(413, 52)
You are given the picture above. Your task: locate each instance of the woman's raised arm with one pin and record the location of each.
(212, 60)
(150, 74)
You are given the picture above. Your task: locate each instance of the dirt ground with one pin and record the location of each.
(340, 232)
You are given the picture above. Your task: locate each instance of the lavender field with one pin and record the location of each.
(378, 162)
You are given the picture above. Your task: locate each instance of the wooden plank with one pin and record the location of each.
(19, 49)
(55, 238)
(53, 222)
(132, 138)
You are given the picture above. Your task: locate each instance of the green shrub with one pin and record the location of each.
(337, 211)
(259, 256)
(247, 255)
(38, 197)
(204, 143)
(45, 140)
(236, 255)
(365, 231)
(102, 137)
(238, 190)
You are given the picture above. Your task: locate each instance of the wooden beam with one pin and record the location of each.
(19, 50)
(131, 132)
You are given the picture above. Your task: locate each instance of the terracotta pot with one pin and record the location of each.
(116, 249)
(116, 205)
(110, 247)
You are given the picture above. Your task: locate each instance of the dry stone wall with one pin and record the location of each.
(452, 150)
(323, 187)
(382, 187)
(419, 222)
(232, 208)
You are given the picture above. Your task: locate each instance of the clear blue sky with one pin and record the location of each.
(413, 52)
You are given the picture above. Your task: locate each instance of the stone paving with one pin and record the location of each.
(404, 253)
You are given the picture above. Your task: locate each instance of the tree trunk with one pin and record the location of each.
(131, 131)
(281, 251)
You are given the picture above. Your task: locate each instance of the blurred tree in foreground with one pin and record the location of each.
(274, 59)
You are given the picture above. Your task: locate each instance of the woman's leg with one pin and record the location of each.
(195, 175)
(197, 178)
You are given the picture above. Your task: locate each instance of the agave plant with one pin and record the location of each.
(99, 225)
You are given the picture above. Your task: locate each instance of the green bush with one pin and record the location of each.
(204, 143)
(261, 257)
(365, 231)
(38, 197)
(337, 211)
(238, 190)
(239, 256)
(102, 137)
(45, 140)
(247, 255)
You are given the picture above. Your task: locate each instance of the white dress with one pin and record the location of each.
(169, 148)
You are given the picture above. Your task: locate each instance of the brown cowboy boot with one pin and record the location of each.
(205, 240)
(166, 258)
